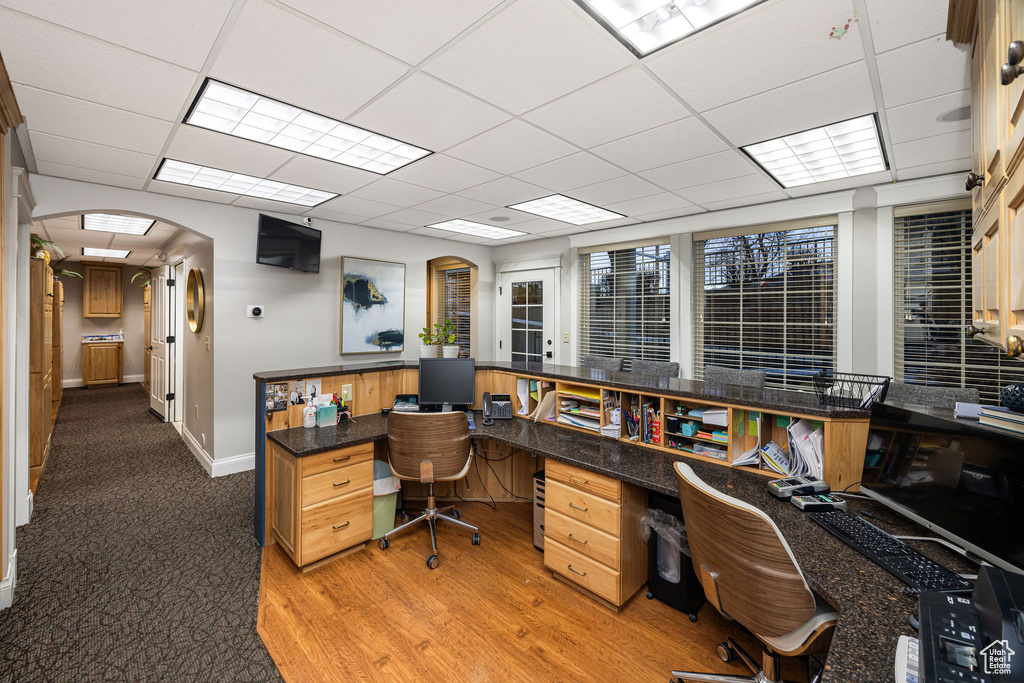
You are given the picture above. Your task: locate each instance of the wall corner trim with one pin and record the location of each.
(218, 468)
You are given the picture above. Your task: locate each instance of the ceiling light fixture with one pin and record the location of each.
(648, 25)
(244, 114)
(476, 229)
(183, 173)
(105, 253)
(110, 222)
(566, 209)
(841, 150)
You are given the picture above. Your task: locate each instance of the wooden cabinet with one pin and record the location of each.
(40, 364)
(101, 363)
(592, 532)
(102, 296)
(57, 353)
(321, 504)
(147, 333)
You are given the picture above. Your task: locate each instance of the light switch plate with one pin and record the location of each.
(346, 392)
(565, 337)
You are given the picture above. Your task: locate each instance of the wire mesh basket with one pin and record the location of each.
(849, 390)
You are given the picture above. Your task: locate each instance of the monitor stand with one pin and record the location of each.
(446, 407)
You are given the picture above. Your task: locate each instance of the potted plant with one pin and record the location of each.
(446, 337)
(58, 270)
(428, 345)
(145, 274)
(40, 247)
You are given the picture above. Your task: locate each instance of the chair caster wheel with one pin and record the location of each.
(405, 517)
(384, 543)
(432, 562)
(725, 652)
(650, 595)
(693, 618)
(456, 514)
(476, 539)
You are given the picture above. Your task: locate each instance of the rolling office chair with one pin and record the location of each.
(924, 395)
(601, 363)
(429, 447)
(656, 368)
(716, 374)
(749, 574)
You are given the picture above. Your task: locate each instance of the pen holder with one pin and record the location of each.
(344, 415)
(326, 416)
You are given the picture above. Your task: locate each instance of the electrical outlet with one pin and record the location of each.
(207, 343)
(346, 392)
(565, 337)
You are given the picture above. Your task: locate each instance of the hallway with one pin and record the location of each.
(136, 565)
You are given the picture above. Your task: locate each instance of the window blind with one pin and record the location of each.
(624, 303)
(932, 283)
(452, 289)
(766, 301)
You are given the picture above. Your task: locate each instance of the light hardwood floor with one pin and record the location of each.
(488, 613)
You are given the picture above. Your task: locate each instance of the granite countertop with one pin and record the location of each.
(768, 399)
(872, 608)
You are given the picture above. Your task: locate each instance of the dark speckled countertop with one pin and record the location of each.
(872, 609)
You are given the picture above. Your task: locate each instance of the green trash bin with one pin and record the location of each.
(385, 498)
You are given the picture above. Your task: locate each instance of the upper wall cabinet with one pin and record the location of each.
(994, 32)
(102, 296)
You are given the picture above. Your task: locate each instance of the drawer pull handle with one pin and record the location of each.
(573, 538)
(347, 457)
(576, 572)
(579, 481)
(576, 508)
(342, 483)
(342, 526)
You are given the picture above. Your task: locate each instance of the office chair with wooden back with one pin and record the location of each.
(750, 575)
(429, 447)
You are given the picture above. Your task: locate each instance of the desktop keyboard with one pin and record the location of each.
(899, 559)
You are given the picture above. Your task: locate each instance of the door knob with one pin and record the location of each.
(975, 180)
(972, 330)
(1014, 346)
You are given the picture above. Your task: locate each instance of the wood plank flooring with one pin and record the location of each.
(488, 613)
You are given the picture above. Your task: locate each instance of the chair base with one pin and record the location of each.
(770, 670)
(431, 515)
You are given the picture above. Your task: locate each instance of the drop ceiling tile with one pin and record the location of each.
(408, 29)
(827, 98)
(530, 53)
(701, 171)
(514, 217)
(323, 175)
(386, 225)
(613, 191)
(443, 173)
(91, 156)
(746, 201)
(724, 190)
(135, 242)
(453, 206)
(614, 223)
(181, 32)
(956, 145)
(199, 193)
(561, 232)
(72, 241)
(677, 213)
(921, 119)
(428, 113)
(725, 63)
(655, 203)
(278, 54)
(439, 234)
(511, 147)
(924, 69)
(536, 226)
(414, 217)
(503, 191)
(388, 191)
(940, 168)
(345, 218)
(353, 206)
(661, 146)
(894, 24)
(66, 222)
(47, 57)
(570, 172)
(269, 206)
(217, 150)
(622, 104)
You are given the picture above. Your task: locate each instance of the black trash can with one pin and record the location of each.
(686, 594)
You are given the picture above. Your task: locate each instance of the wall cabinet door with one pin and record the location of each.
(101, 364)
(1015, 257)
(993, 57)
(101, 293)
(1012, 17)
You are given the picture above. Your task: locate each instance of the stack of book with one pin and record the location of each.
(1003, 418)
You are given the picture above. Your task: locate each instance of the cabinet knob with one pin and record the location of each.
(972, 330)
(1014, 55)
(1014, 346)
(975, 180)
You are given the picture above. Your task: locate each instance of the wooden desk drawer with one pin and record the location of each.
(338, 482)
(337, 524)
(583, 507)
(585, 540)
(582, 480)
(582, 571)
(321, 462)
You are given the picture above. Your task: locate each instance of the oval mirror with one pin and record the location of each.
(194, 300)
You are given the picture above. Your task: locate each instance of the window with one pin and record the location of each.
(453, 291)
(624, 303)
(932, 255)
(766, 301)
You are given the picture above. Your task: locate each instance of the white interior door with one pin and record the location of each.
(527, 304)
(158, 341)
(175, 349)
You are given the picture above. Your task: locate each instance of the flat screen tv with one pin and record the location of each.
(288, 245)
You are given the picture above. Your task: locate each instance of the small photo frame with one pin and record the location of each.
(277, 397)
(296, 393)
(313, 389)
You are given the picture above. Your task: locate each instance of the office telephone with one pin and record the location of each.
(498, 407)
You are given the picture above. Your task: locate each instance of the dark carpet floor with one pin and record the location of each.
(136, 566)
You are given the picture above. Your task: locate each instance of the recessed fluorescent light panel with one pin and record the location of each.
(476, 229)
(182, 173)
(105, 253)
(109, 222)
(842, 150)
(566, 209)
(648, 25)
(245, 114)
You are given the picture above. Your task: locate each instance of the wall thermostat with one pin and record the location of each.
(257, 311)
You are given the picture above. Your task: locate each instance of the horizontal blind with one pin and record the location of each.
(766, 301)
(932, 290)
(624, 303)
(453, 303)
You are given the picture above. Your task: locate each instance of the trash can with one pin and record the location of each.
(385, 498)
(670, 575)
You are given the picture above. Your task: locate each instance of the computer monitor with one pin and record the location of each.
(964, 482)
(447, 382)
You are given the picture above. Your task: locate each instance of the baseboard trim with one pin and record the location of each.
(8, 582)
(77, 381)
(218, 468)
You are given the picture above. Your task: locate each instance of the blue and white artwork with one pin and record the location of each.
(372, 305)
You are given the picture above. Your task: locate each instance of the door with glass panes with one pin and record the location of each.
(527, 317)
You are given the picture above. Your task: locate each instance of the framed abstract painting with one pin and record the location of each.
(372, 305)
